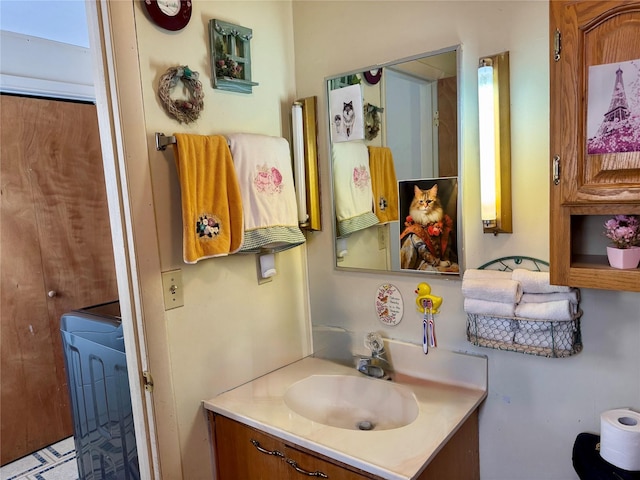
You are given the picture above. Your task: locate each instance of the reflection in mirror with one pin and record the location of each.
(394, 137)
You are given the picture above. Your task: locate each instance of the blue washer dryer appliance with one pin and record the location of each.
(99, 390)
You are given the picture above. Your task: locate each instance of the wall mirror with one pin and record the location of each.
(395, 165)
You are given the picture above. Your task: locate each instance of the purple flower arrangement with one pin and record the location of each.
(226, 67)
(623, 231)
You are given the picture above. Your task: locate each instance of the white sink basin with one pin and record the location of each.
(352, 402)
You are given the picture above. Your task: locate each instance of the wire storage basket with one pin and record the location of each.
(547, 338)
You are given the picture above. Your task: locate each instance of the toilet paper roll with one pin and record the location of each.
(620, 438)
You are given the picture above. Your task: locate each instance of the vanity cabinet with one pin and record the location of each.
(244, 452)
(589, 186)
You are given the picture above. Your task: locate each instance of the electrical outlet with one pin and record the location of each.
(172, 289)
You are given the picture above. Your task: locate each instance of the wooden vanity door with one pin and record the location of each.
(242, 452)
(236, 457)
(589, 34)
(311, 464)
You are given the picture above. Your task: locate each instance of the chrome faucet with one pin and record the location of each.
(376, 365)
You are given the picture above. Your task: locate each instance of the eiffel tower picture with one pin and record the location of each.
(618, 126)
(619, 108)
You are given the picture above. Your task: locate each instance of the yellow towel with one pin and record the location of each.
(211, 203)
(383, 184)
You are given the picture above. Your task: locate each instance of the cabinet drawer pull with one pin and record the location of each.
(304, 472)
(256, 444)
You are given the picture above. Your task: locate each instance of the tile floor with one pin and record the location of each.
(55, 462)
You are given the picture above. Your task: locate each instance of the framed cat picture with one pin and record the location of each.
(346, 114)
(428, 210)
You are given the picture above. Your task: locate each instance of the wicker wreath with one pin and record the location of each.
(185, 111)
(371, 121)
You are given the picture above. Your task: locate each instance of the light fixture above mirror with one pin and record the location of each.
(495, 143)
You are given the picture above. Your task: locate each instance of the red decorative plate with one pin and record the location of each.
(373, 76)
(169, 14)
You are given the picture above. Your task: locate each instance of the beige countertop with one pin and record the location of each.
(397, 454)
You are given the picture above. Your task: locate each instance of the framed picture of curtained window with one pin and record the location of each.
(231, 57)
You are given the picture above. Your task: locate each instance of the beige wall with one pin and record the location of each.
(231, 329)
(536, 406)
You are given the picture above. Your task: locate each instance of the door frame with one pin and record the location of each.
(395, 79)
(116, 89)
(120, 107)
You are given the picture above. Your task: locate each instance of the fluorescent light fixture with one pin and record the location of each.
(495, 143)
(299, 169)
(306, 175)
(487, 143)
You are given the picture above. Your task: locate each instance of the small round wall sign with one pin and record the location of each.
(169, 14)
(389, 306)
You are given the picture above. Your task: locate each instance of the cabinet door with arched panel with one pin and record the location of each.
(594, 136)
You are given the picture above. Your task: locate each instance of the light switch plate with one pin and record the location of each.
(172, 289)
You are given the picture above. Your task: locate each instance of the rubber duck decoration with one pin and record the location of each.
(423, 293)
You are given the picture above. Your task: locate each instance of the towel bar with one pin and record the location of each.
(162, 141)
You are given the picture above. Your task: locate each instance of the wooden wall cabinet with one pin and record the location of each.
(244, 452)
(588, 188)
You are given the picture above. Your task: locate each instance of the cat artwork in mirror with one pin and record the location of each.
(394, 133)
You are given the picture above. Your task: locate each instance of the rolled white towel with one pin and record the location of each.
(489, 328)
(536, 282)
(560, 310)
(564, 335)
(534, 334)
(484, 307)
(573, 296)
(557, 335)
(494, 290)
(474, 273)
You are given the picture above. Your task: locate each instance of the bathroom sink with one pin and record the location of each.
(352, 402)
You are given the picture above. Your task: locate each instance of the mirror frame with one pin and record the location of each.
(460, 235)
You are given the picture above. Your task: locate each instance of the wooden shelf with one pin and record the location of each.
(593, 271)
(598, 262)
